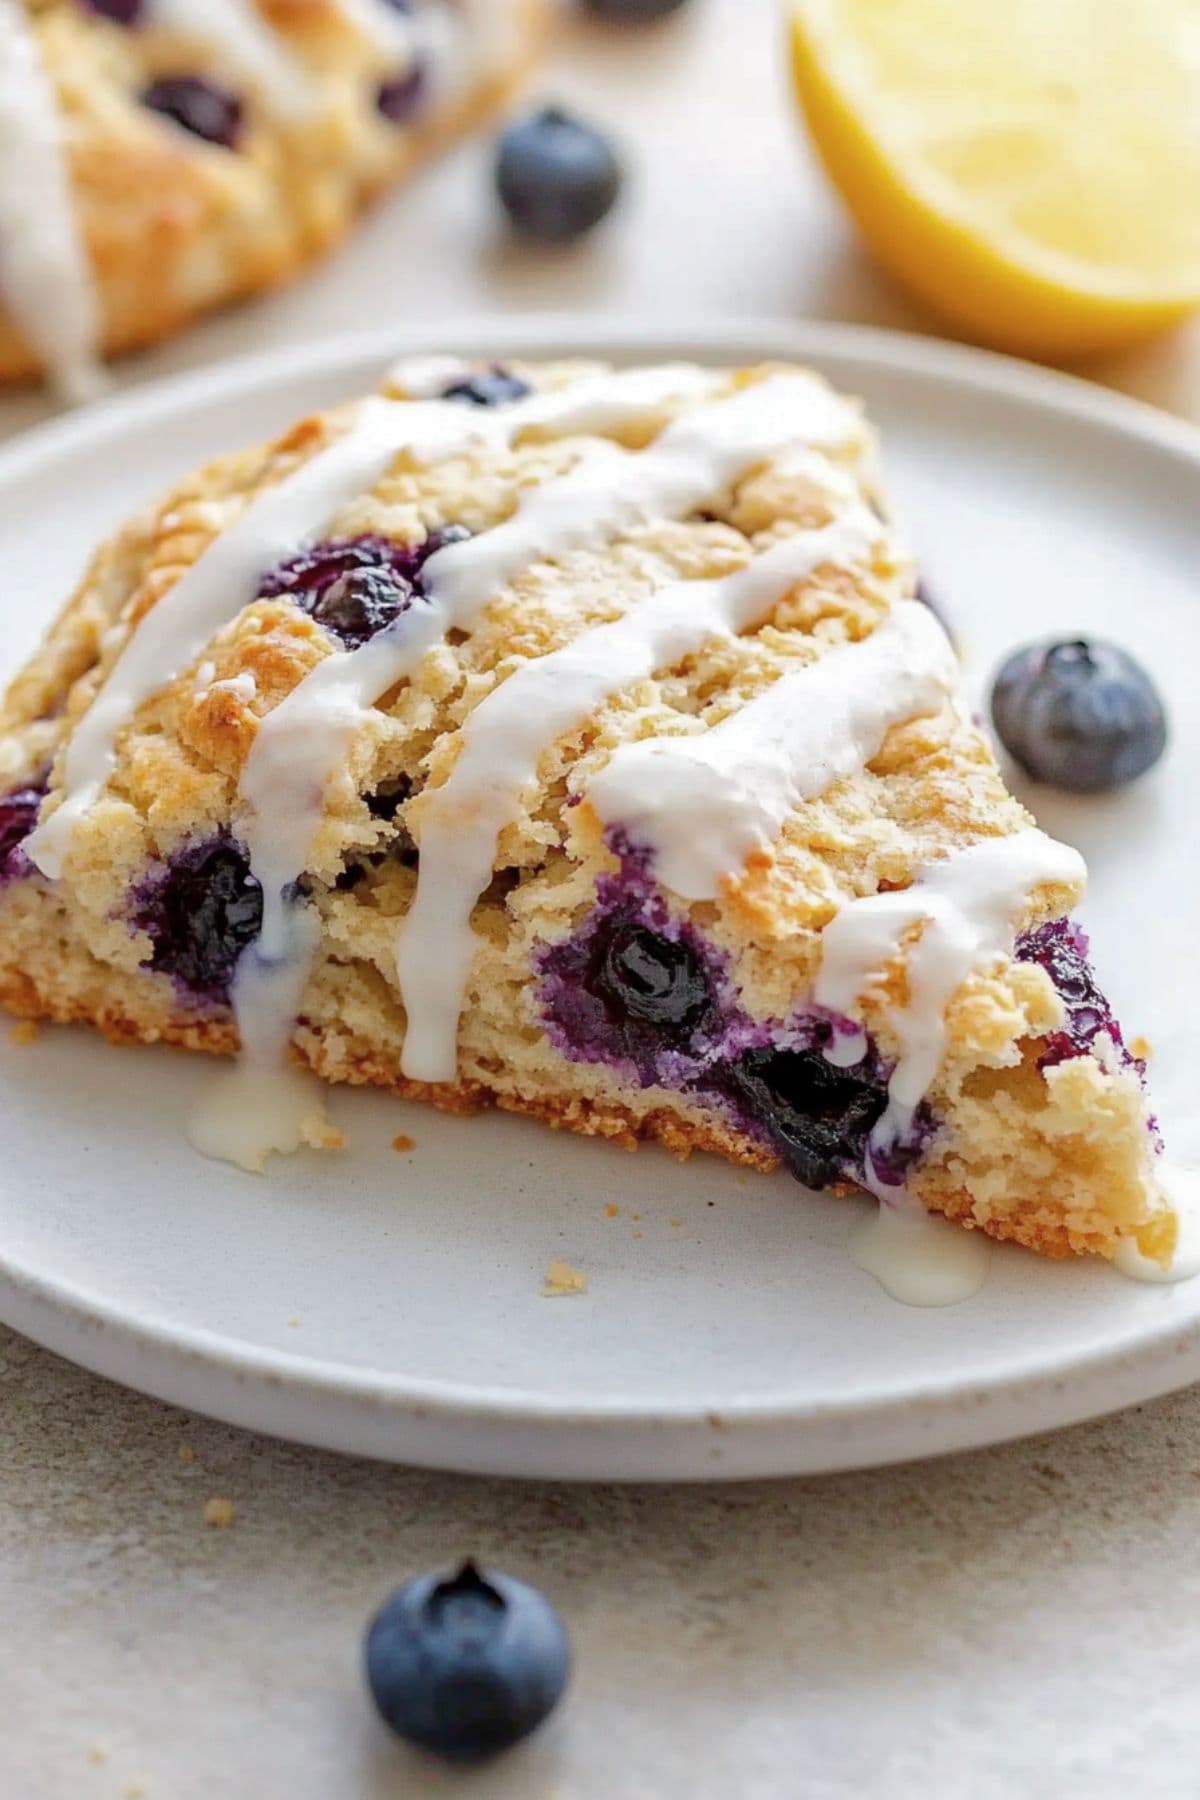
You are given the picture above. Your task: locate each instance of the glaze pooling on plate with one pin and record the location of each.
(258, 134)
(588, 753)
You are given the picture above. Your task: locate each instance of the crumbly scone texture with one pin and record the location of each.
(1059, 1159)
(174, 226)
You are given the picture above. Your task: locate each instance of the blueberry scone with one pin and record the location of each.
(162, 157)
(570, 740)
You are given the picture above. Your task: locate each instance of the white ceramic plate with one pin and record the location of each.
(391, 1304)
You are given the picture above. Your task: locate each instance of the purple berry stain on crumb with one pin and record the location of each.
(633, 988)
(18, 816)
(640, 990)
(120, 12)
(356, 587)
(400, 97)
(200, 910)
(1061, 949)
(203, 107)
(496, 386)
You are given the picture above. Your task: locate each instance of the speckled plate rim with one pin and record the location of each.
(506, 1431)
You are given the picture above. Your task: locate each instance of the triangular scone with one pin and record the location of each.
(571, 741)
(165, 157)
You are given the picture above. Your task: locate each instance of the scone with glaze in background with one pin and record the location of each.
(159, 158)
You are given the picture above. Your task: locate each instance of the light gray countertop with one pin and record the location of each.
(1018, 1622)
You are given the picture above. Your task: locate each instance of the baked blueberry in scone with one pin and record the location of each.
(568, 740)
(162, 157)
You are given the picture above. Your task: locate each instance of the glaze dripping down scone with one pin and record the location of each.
(159, 158)
(571, 741)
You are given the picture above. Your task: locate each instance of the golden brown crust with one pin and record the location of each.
(175, 227)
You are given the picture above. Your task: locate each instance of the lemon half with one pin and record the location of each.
(1031, 170)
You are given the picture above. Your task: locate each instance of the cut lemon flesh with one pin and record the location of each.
(1031, 170)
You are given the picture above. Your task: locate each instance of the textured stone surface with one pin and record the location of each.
(1013, 1625)
(1016, 1622)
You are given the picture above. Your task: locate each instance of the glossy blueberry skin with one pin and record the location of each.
(356, 587)
(652, 979)
(633, 12)
(1079, 715)
(202, 107)
(200, 912)
(467, 1665)
(496, 386)
(557, 177)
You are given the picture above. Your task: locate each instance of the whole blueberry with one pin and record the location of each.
(200, 911)
(496, 386)
(202, 107)
(557, 177)
(466, 1665)
(632, 12)
(1080, 715)
(356, 587)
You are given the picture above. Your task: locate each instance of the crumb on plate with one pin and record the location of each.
(612, 1211)
(219, 1513)
(404, 1142)
(24, 1033)
(561, 1281)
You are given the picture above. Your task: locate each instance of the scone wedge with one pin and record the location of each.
(570, 740)
(159, 158)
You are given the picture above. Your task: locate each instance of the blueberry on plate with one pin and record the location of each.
(1079, 714)
(632, 12)
(557, 177)
(466, 1665)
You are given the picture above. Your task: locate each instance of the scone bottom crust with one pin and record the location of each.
(588, 756)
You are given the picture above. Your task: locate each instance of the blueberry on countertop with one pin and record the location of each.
(466, 1665)
(1079, 714)
(557, 177)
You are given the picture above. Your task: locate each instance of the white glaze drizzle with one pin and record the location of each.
(238, 31)
(704, 804)
(966, 906)
(1181, 1187)
(540, 702)
(918, 1259)
(44, 274)
(303, 744)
